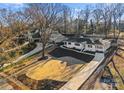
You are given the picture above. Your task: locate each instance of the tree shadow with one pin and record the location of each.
(119, 55)
(121, 49)
(111, 75)
(117, 71)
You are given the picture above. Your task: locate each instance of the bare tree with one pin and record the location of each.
(66, 14)
(44, 18)
(1, 32)
(107, 17)
(15, 23)
(84, 16)
(97, 15)
(117, 12)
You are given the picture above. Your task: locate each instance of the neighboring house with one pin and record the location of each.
(81, 44)
(33, 36)
(55, 36)
(87, 44)
(77, 43)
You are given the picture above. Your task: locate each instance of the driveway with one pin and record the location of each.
(64, 53)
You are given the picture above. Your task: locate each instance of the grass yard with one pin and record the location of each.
(117, 70)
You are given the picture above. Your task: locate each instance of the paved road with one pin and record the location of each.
(82, 76)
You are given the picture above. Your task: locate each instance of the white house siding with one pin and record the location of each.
(106, 44)
(87, 48)
(83, 45)
(99, 48)
(72, 45)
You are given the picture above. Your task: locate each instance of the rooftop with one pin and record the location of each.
(97, 42)
(87, 40)
(79, 40)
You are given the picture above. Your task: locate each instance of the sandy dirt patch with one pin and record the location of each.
(53, 69)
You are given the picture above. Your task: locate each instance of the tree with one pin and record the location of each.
(1, 32)
(66, 14)
(14, 21)
(97, 15)
(117, 12)
(107, 17)
(44, 18)
(84, 18)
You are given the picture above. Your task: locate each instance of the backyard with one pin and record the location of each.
(49, 75)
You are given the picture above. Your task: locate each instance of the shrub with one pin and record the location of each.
(12, 54)
(2, 58)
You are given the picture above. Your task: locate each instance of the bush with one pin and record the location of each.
(12, 54)
(28, 48)
(2, 58)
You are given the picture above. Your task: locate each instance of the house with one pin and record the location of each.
(80, 44)
(33, 36)
(55, 36)
(87, 44)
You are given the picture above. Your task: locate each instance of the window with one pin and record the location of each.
(65, 43)
(90, 46)
(69, 43)
(77, 44)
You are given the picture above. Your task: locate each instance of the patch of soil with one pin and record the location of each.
(48, 84)
(45, 84)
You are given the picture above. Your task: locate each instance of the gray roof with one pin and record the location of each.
(87, 40)
(97, 42)
(79, 40)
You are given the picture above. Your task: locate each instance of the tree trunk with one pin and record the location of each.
(86, 28)
(114, 27)
(105, 29)
(43, 51)
(65, 27)
(119, 28)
